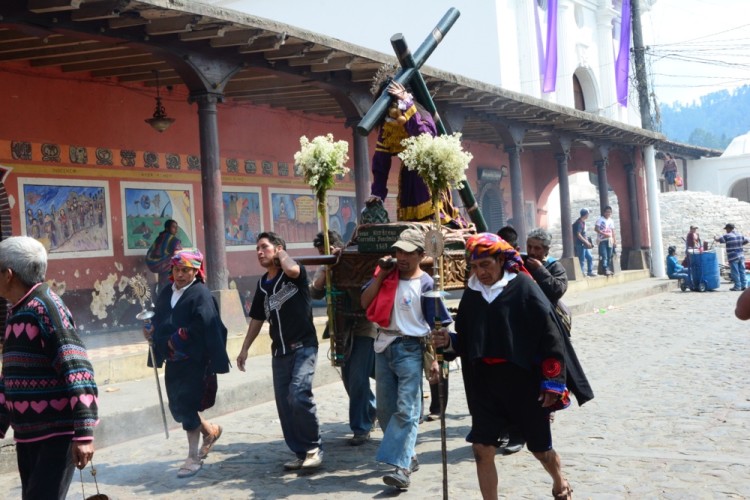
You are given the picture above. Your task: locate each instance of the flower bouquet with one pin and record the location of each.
(440, 161)
(321, 160)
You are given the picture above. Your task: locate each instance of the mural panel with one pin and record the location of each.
(294, 216)
(342, 213)
(146, 206)
(243, 217)
(71, 218)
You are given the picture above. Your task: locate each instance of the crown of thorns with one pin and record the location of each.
(382, 75)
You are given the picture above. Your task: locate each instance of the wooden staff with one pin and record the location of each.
(434, 246)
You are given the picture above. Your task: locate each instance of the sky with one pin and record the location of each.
(695, 47)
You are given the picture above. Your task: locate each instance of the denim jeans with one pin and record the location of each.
(292, 386)
(398, 371)
(356, 374)
(737, 272)
(605, 254)
(584, 254)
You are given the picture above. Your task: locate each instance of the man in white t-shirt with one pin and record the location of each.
(398, 354)
(605, 237)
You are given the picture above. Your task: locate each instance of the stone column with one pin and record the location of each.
(654, 214)
(604, 16)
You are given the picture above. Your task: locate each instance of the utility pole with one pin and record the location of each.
(649, 156)
(639, 53)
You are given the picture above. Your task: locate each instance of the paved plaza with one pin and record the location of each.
(670, 420)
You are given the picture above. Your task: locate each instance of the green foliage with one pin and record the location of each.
(712, 122)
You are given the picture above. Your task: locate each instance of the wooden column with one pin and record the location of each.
(635, 222)
(361, 158)
(565, 222)
(516, 194)
(601, 170)
(213, 207)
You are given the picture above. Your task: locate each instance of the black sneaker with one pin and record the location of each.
(399, 478)
(359, 439)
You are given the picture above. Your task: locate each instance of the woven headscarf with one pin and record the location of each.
(483, 245)
(190, 258)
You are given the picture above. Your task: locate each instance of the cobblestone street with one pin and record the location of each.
(670, 420)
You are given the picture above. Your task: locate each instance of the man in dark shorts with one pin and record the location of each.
(507, 329)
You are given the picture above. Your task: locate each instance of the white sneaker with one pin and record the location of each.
(295, 464)
(313, 459)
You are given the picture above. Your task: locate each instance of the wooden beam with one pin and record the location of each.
(138, 60)
(264, 44)
(234, 38)
(54, 51)
(130, 70)
(135, 73)
(169, 25)
(99, 54)
(339, 64)
(96, 11)
(289, 52)
(318, 57)
(128, 20)
(44, 6)
(50, 41)
(285, 94)
(205, 34)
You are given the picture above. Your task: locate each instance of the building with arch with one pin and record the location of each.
(86, 175)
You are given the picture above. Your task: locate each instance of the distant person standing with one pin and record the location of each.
(159, 255)
(669, 171)
(693, 239)
(605, 232)
(735, 255)
(583, 244)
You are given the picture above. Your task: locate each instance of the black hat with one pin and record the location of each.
(729, 227)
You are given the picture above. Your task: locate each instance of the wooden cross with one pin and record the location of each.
(409, 75)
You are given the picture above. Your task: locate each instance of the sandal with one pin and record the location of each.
(209, 441)
(189, 468)
(565, 494)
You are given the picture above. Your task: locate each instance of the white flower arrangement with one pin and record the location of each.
(321, 160)
(440, 161)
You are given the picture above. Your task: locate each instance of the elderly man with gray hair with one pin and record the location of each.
(47, 388)
(549, 274)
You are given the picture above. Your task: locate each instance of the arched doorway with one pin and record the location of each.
(741, 190)
(585, 91)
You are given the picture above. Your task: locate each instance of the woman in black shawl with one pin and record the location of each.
(189, 336)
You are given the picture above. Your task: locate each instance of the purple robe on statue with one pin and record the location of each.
(414, 202)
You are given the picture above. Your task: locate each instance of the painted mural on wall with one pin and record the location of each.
(69, 217)
(342, 213)
(147, 206)
(294, 217)
(243, 216)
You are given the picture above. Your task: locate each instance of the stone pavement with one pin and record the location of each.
(669, 420)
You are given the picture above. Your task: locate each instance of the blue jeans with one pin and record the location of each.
(737, 272)
(584, 254)
(398, 371)
(605, 254)
(292, 386)
(356, 374)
